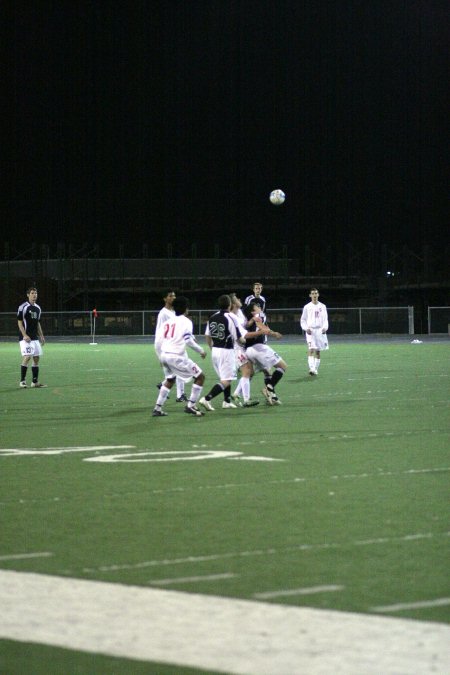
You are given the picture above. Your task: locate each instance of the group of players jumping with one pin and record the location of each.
(237, 336)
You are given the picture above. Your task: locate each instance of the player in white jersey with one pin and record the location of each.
(177, 334)
(242, 362)
(165, 314)
(314, 321)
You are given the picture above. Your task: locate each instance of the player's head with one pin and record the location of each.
(224, 302)
(235, 301)
(314, 294)
(180, 305)
(32, 293)
(251, 309)
(257, 288)
(168, 297)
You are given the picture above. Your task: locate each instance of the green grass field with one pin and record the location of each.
(342, 488)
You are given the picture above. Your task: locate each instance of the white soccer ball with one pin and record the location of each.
(277, 197)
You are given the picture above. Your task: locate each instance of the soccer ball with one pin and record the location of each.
(277, 197)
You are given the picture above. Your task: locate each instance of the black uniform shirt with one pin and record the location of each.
(30, 315)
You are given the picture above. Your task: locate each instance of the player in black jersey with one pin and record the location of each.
(264, 357)
(221, 334)
(31, 338)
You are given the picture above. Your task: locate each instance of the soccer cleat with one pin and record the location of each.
(250, 404)
(237, 400)
(159, 385)
(159, 413)
(228, 404)
(267, 395)
(23, 384)
(193, 411)
(275, 399)
(182, 398)
(38, 385)
(313, 372)
(206, 404)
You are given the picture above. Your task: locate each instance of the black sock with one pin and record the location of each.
(276, 376)
(227, 394)
(35, 371)
(215, 391)
(23, 373)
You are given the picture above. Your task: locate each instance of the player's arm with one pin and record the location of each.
(304, 321)
(23, 331)
(40, 333)
(193, 344)
(325, 320)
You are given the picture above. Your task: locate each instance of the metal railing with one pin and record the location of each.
(343, 321)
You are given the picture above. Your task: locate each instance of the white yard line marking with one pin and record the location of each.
(188, 580)
(226, 635)
(440, 602)
(227, 486)
(259, 552)
(23, 556)
(4, 452)
(255, 458)
(312, 590)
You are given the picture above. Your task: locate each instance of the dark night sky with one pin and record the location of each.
(171, 121)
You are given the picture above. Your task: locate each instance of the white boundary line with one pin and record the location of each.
(440, 602)
(23, 556)
(214, 633)
(312, 590)
(258, 553)
(188, 580)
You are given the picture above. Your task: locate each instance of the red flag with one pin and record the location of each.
(94, 313)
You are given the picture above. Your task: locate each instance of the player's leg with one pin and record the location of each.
(196, 390)
(23, 371)
(35, 372)
(163, 395)
(317, 361)
(277, 374)
(181, 396)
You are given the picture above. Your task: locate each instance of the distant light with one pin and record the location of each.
(390, 274)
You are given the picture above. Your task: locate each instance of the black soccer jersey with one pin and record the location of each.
(222, 330)
(30, 315)
(252, 298)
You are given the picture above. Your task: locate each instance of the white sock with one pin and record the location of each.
(245, 387)
(163, 394)
(311, 362)
(195, 394)
(317, 364)
(238, 390)
(180, 387)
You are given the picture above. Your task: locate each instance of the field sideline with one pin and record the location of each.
(334, 501)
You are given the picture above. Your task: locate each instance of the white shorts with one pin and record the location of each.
(224, 362)
(317, 340)
(179, 365)
(263, 356)
(32, 348)
(240, 355)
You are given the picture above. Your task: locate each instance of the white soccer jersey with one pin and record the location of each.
(314, 316)
(177, 333)
(241, 320)
(164, 315)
